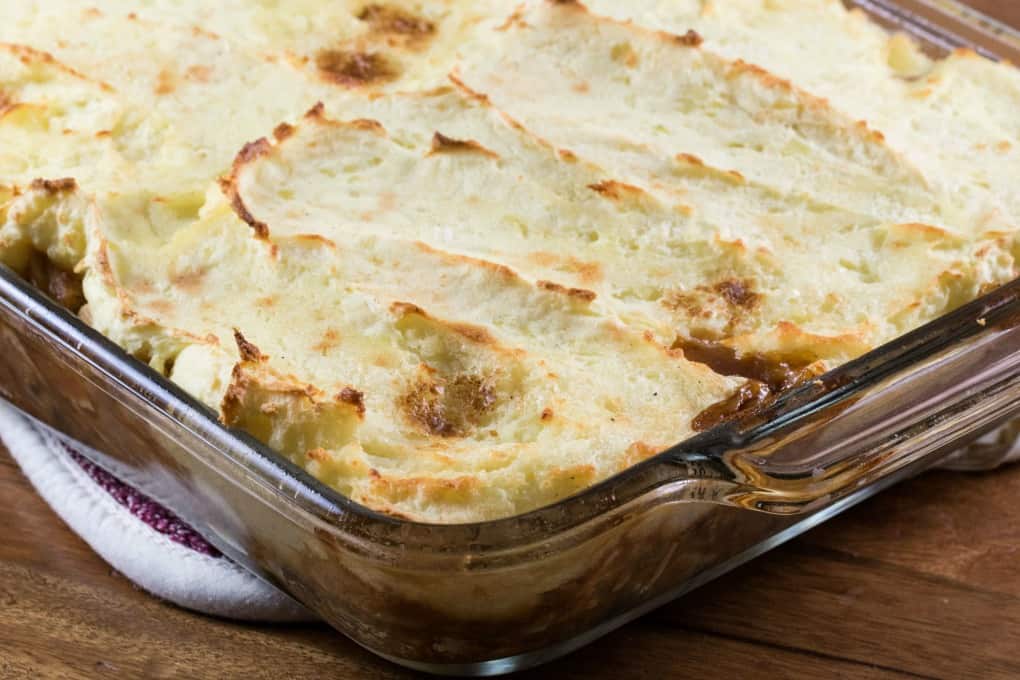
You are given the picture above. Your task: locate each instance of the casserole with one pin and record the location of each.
(425, 594)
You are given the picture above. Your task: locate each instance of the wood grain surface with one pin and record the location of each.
(923, 582)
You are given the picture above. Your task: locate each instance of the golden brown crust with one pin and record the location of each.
(928, 232)
(770, 80)
(366, 124)
(317, 112)
(28, 55)
(696, 164)
(402, 309)
(354, 397)
(515, 20)
(690, 159)
(330, 340)
(228, 185)
(588, 272)
(355, 68)
(314, 240)
(252, 151)
(54, 186)
(484, 102)
(429, 489)
(319, 454)
(248, 350)
(475, 334)
(232, 410)
(498, 268)
(586, 296)
(166, 83)
(473, 94)
(617, 191)
(317, 115)
(442, 144)
(790, 335)
(6, 103)
(690, 39)
(283, 131)
(738, 292)
(448, 406)
(395, 22)
(262, 401)
(734, 299)
(740, 67)
(189, 280)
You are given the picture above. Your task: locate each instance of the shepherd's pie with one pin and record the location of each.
(461, 259)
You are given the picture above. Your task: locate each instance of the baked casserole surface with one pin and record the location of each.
(462, 259)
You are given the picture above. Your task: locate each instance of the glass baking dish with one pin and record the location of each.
(498, 596)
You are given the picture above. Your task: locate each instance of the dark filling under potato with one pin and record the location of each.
(767, 377)
(61, 285)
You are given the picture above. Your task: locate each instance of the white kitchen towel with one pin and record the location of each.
(138, 537)
(152, 547)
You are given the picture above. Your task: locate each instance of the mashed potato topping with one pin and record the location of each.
(459, 260)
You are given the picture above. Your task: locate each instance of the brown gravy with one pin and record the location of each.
(767, 376)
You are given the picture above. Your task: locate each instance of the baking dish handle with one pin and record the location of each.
(906, 404)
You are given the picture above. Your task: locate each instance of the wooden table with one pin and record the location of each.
(923, 581)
